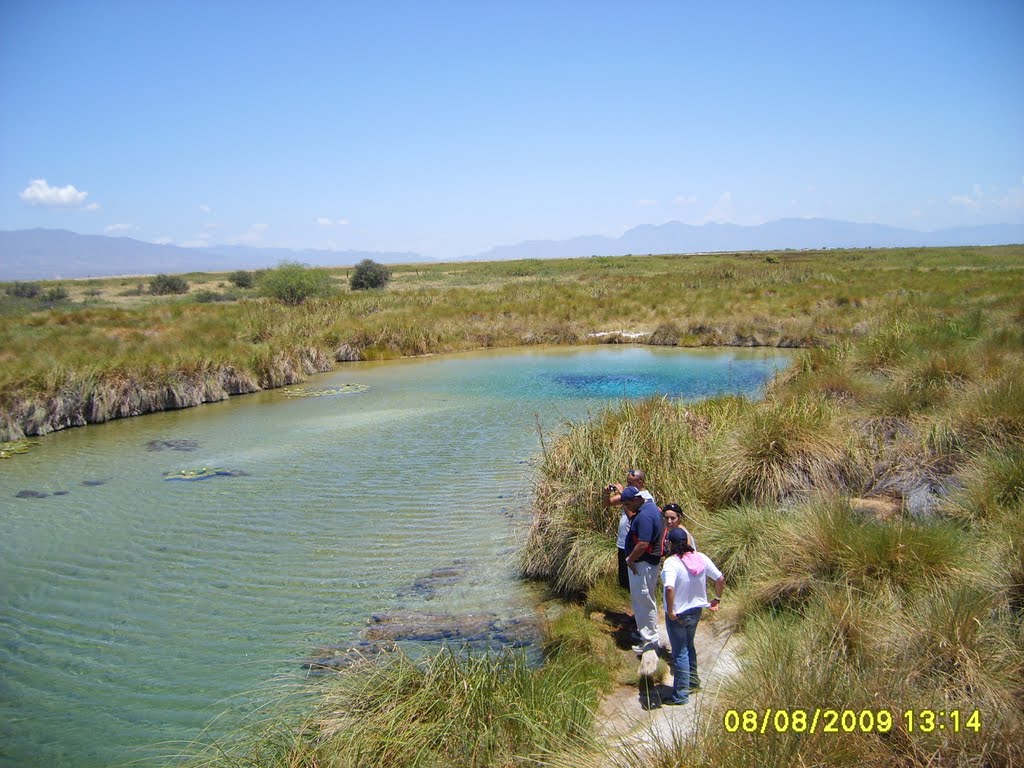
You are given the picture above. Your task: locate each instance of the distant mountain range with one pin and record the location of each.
(676, 237)
(48, 254)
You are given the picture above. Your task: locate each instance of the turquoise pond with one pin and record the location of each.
(136, 610)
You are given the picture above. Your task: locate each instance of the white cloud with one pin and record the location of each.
(38, 192)
(120, 228)
(997, 200)
(722, 210)
(251, 237)
(685, 199)
(645, 203)
(205, 209)
(199, 241)
(162, 240)
(323, 221)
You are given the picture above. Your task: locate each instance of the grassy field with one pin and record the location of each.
(111, 350)
(868, 513)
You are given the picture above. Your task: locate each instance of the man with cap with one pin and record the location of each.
(643, 558)
(613, 496)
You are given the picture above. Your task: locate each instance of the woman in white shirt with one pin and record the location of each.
(685, 576)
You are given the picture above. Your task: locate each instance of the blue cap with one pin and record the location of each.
(676, 535)
(629, 493)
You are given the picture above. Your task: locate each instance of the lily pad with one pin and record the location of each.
(342, 389)
(14, 447)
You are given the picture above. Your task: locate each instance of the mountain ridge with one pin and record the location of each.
(52, 254)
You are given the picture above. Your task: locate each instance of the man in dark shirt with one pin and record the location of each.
(643, 558)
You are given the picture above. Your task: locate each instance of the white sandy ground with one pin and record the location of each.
(623, 720)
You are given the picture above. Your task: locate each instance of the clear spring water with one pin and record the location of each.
(134, 609)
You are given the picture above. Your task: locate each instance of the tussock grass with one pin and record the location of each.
(446, 708)
(806, 299)
(783, 447)
(919, 607)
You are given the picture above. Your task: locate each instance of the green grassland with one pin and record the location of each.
(868, 512)
(110, 349)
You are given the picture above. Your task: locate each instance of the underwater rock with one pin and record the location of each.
(172, 445)
(203, 473)
(29, 494)
(342, 389)
(331, 658)
(93, 483)
(429, 585)
(477, 630)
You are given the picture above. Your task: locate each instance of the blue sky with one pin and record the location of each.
(447, 127)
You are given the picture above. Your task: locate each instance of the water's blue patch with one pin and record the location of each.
(613, 385)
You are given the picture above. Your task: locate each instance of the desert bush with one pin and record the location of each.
(368, 274)
(163, 285)
(293, 283)
(242, 279)
(23, 290)
(54, 294)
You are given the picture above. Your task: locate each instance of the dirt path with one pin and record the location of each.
(625, 718)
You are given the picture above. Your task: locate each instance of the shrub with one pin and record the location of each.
(55, 294)
(293, 283)
(23, 290)
(207, 297)
(369, 274)
(163, 285)
(242, 279)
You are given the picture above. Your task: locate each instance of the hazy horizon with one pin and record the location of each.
(449, 129)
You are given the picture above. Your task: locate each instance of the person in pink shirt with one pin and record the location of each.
(685, 575)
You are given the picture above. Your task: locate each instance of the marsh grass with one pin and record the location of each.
(783, 447)
(446, 708)
(807, 299)
(838, 606)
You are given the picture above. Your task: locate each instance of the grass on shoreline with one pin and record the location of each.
(95, 357)
(843, 602)
(868, 512)
(873, 546)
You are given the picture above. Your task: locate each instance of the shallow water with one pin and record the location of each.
(134, 609)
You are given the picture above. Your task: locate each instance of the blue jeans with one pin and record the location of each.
(684, 655)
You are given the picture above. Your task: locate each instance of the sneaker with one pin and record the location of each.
(696, 688)
(674, 703)
(638, 649)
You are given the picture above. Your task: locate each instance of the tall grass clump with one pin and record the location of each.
(782, 448)
(447, 710)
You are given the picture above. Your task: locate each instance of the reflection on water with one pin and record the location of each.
(134, 610)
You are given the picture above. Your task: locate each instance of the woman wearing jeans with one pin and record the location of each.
(685, 575)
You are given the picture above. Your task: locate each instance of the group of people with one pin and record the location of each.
(647, 535)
